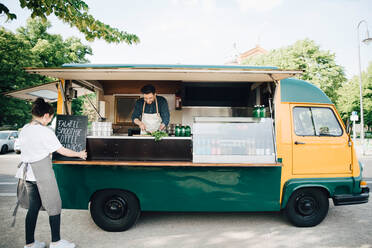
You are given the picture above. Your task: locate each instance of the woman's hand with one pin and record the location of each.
(83, 154)
(70, 153)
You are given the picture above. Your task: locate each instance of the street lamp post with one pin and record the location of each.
(367, 40)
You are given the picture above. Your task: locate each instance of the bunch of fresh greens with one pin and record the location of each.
(159, 135)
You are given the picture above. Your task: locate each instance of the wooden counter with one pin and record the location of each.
(163, 163)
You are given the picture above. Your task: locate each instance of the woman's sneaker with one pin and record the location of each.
(36, 244)
(62, 244)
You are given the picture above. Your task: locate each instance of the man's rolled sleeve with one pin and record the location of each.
(164, 112)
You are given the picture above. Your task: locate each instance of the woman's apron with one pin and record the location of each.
(152, 121)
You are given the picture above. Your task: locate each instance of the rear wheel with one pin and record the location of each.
(4, 149)
(307, 207)
(114, 210)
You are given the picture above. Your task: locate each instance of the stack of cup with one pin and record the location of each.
(101, 128)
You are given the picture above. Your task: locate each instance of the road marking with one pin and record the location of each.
(8, 194)
(369, 181)
(8, 183)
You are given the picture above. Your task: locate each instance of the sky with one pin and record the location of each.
(214, 31)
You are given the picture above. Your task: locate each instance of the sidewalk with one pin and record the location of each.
(367, 148)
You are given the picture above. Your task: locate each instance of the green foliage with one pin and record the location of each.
(31, 46)
(319, 66)
(88, 110)
(74, 12)
(51, 49)
(349, 99)
(77, 106)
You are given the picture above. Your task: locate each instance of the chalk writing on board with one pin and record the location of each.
(71, 131)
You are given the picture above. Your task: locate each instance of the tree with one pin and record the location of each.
(349, 99)
(75, 13)
(319, 66)
(31, 46)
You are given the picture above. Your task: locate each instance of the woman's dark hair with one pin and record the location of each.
(40, 108)
(149, 88)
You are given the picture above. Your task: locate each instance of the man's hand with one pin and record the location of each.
(161, 127)
(142, 126)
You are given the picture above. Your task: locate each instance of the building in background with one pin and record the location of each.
(238, 58)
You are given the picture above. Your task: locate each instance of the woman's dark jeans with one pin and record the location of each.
(33, 212)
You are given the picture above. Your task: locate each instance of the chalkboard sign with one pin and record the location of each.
(71, 131)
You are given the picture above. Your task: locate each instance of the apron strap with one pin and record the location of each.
(143, 109)
(22, 190)
(156, 102)
(37, 122)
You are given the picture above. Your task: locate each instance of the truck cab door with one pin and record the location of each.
(320, 143)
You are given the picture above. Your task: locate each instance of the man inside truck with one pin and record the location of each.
(151, 112)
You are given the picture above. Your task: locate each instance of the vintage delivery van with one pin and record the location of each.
(294, 155)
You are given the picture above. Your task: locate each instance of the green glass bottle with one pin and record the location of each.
(262, 111)
(256, 111)
(178, 131)
(183, 131)
(187, 131)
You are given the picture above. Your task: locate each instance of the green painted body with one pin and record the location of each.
(184, 188)
(334, 186)
(295, 90)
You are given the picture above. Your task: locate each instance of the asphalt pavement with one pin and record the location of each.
(345, 226)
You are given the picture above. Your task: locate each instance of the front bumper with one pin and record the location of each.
(340, 200)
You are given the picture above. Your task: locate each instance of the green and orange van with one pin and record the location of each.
(314, 158)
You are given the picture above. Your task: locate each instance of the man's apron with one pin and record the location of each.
(152, 121)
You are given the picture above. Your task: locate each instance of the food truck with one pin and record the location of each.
(261, 140)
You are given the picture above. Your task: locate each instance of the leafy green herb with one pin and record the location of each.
(159, 135)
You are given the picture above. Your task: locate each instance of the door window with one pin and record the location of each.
(315, 121)
(14, 135)
(303, 122)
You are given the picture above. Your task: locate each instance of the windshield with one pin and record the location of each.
(4, 135)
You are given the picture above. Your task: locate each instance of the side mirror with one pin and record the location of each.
(11, 137)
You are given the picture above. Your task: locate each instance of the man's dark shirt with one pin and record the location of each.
(151, 109)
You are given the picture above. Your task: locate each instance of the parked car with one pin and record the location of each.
(7, 139)
(17, 148)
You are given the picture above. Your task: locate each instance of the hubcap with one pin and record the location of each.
(306, 205)
(115, 208)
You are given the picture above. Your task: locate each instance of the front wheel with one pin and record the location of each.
(307, 207)
(114, 210)
(4, 149)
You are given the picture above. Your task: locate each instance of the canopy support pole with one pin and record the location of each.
(62, 96)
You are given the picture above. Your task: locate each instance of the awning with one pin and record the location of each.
(47, 91)
(185, 73)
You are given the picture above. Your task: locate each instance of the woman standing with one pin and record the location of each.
(37, 142)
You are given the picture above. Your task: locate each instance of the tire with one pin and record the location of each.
(4, 149)
(307, 207)
(114, 210)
